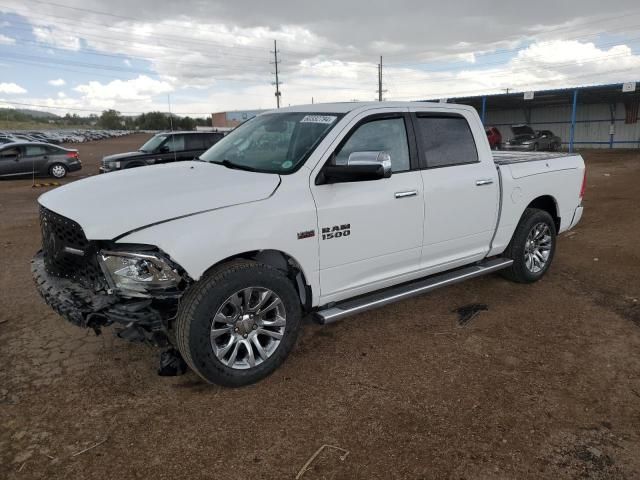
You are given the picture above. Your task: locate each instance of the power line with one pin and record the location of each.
(276, 62)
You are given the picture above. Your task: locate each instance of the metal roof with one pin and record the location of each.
(542, 98)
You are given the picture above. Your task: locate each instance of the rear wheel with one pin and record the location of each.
(58, 170)
(532, 247)
(239, 323)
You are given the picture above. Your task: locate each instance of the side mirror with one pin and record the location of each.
(361, 166)
(163, 149)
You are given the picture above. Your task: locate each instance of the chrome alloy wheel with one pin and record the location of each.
(537, 248)
(248, 327)
(58, 171)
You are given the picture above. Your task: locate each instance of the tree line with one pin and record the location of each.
(108, 120)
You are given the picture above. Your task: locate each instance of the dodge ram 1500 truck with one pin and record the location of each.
(328, 210)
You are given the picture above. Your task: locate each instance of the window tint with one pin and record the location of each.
(9, 153)
(446, 141)
(385, 135)
(34, 150)
(175, 143)
(195, 142)
(212, 138)
(54, 150)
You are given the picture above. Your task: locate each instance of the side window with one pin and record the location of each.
(384, 135)
(175, 143)
(9, 153)
(212, 139)
(34, 150)
(445, 141)
(195, 142)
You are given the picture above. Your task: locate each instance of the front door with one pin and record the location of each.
(371, 231)
(10, 162)
(461, 189)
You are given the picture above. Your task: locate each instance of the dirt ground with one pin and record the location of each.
(544, 384)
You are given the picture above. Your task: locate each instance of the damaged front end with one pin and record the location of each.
(94, 284)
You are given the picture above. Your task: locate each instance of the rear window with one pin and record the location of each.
(445, 141)
(195, 142)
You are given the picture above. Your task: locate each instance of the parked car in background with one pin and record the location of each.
(163, 148)
(524, 138)
(27, 158)
(495, 137)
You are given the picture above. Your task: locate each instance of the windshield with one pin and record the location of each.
(272, 143)
(153, 143)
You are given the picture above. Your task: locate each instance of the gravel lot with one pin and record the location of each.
(544, 384)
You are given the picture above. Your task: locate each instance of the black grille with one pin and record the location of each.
(67, 252)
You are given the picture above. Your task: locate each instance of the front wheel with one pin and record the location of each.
(532, 247)
(239, 323)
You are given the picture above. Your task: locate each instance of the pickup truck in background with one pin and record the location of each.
(328, 210)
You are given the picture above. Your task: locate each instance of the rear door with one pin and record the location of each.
(461, 188)
(195, 144)
(35, 158)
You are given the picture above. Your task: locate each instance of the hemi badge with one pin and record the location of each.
(74, 251)
(307, 234)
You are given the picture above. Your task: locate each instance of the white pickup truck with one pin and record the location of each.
(328, 210)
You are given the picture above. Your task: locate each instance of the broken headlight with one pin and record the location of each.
(139, 274)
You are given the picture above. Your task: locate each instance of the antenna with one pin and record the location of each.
(173, 138)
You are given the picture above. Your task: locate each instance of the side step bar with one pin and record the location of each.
(401, 292)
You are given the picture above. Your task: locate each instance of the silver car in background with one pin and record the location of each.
(524, 138)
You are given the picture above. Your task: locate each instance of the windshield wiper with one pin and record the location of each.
(235, 166)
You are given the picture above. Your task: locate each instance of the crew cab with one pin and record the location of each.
(323, 210)
(163, 148)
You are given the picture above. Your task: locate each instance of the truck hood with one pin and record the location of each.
(108, 206)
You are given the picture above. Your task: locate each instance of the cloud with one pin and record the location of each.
(56, 38)
(122, 92)
(11, 89)
(4, 40)
(215, 55)
(58, 82)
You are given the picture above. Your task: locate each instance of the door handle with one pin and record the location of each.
(409, 193)
(485, 181)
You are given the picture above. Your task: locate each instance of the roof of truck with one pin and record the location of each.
(345, 107)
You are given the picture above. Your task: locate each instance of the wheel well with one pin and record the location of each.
(283, 262)
(549, 205)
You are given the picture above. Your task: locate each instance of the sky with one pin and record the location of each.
(202, 56)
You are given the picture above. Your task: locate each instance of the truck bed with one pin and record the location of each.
(507, 158)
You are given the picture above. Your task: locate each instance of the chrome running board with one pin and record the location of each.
(401, 292)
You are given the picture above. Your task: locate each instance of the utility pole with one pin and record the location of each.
(276, 62)
(380, 90)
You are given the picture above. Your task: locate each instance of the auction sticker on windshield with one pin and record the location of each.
(326, 119)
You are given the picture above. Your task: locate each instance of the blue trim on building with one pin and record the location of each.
(574, 110)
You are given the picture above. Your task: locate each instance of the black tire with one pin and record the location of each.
(60, 169)
(518, 271)
(202, 301)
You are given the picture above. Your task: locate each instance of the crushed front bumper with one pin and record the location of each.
(141, 319)
(67, 298)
